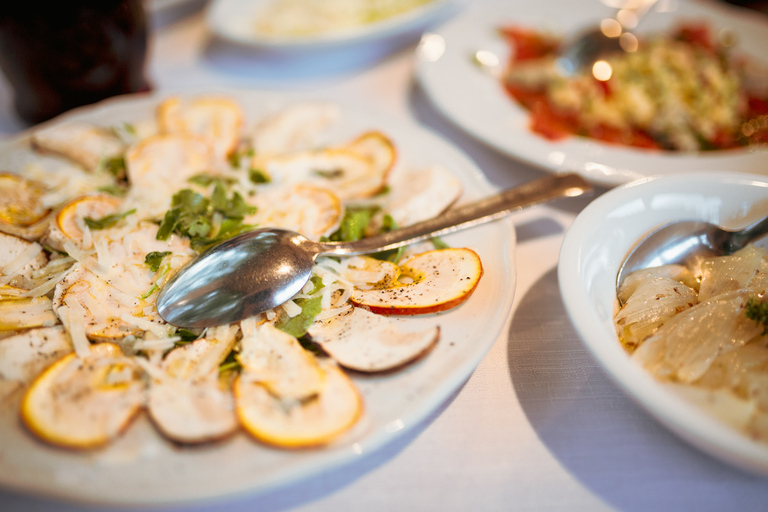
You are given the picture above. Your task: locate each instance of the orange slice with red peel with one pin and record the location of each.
(429, 282)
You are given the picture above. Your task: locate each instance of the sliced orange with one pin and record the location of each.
(84, 402)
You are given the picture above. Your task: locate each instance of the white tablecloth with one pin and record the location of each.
(538, 426)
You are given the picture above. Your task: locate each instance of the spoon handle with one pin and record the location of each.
(468, 215)
(739, 239)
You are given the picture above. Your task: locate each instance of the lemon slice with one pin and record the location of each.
(84, 403)
(21, 201)
(300, 424)
(71, 219)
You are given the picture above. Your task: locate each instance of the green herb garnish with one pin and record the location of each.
(297, 326)
(113, 190)
(258, 176)
(438, 243)
(354, 223)
(154, 259)
(205, 221)
(108, 221)
(757, 310)
(393, 255)
(116, 167)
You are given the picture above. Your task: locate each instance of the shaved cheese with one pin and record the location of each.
(291, 308)
(75, 327)
(15, 266)
(47, 286)
(102, 273)
(161, 331)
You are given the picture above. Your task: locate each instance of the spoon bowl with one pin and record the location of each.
(259, 270)
(687, 243)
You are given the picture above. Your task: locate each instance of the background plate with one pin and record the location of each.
(234, 20)
(477, 103)
(141, 467)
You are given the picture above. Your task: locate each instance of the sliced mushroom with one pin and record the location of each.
(287, 397)
(429, 282)
(216, 118)
(349, 174)
(24, 356)
(84, 144)
(309, 210)
(160, 165)
(367, 342)
(189, 402)
(293, 129)
(84, 402)
(421, 194)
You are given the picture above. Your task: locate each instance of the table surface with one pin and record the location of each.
(538, 425)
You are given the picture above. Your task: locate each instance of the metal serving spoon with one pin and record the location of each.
(687, 243)
(589, 46)
(261, 269)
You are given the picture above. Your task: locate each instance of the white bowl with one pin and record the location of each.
(593, 248)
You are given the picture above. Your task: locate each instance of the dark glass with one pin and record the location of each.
(61, 55)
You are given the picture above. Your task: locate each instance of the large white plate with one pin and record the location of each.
(141, 467)
(592, 251)
(476, 102)
(235, 21)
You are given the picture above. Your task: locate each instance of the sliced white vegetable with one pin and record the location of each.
(218, 119)
(367, 342)
(24, 356)
(85, 144)
(189, 403)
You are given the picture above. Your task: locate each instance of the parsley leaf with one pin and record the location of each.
(205, 221)
(108, 221)
(297, 326)
(258, 176)
(154, 259)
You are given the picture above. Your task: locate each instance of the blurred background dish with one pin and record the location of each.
(472, 96)
(593, 249)
(274, 25)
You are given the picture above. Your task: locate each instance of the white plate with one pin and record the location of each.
(141, 467)
(235, 21)
(476, 101)
(593, 248)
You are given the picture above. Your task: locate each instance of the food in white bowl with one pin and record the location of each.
(592, 252)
